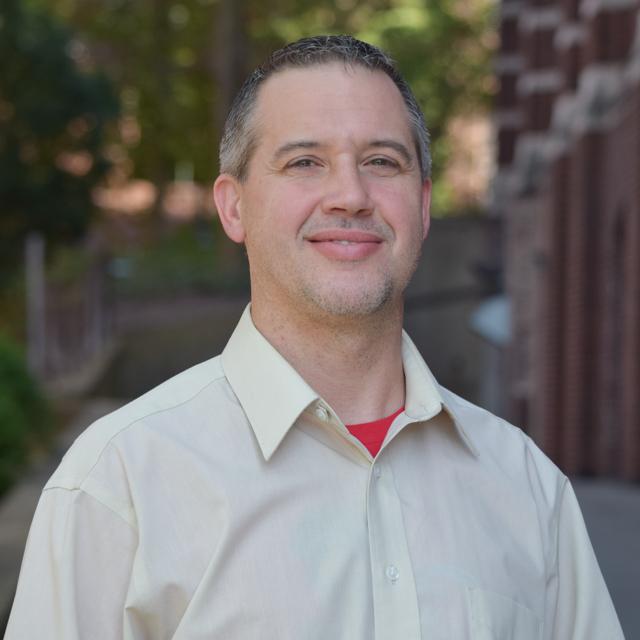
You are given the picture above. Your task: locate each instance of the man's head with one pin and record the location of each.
(241, 132)
(327, 187)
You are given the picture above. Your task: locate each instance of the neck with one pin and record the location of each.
(355, 364)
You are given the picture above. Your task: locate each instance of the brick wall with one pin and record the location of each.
(568, 189)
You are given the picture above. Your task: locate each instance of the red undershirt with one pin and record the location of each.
(372, 434)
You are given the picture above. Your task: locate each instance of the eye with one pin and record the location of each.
(383, 165)
(383, 162)
(302, 163)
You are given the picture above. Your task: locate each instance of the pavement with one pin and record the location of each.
(611, 511)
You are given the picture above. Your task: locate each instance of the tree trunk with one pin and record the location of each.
(231, 54)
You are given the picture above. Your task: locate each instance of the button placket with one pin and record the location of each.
(394, 590)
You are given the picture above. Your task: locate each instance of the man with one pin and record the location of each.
(232, 501)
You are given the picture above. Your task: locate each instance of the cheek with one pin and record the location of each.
(401, 209)
(403, 193)
(286, 211)
(270, 227)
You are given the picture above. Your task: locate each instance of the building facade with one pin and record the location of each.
(568, 191)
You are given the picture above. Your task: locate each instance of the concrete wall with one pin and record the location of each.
(450, 283)
(163, 337)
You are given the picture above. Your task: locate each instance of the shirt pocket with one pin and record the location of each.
(495, 617)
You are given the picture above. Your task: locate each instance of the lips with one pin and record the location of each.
(343, 235)
(345, 244)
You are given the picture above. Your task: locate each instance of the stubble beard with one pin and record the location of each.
(352, 301)
(320, 299)
(333, 301)
(371, 298)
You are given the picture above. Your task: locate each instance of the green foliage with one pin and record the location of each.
(443, 50)
(68, 265)
(159, 55)
(12, 308)
(52, 126)
(167, 55)
(23, 412)
(186, 260)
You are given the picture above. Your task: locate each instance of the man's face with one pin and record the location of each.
(333, 211)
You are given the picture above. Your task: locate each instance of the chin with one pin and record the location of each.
(357, 302)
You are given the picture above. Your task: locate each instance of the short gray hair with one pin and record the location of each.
(239, 137)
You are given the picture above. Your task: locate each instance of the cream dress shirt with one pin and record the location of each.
(232, 503)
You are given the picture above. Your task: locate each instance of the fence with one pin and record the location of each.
(69, 324)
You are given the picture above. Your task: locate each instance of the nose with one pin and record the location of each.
(346, 192)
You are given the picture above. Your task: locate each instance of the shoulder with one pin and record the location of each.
(504, 449)
(174, 397)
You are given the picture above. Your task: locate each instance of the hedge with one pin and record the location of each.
(23, 412)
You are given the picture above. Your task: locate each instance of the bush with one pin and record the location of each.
(188, 260)
(23, 412)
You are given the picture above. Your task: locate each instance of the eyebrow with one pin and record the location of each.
(293, 146)
(396, 146)
(377, 144)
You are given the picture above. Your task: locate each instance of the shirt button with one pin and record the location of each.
(322, 413)
(377, 472)
(392, 573)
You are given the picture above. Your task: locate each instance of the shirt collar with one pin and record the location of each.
(423, 397)
(273, 394)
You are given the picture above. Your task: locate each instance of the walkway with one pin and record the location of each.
(612, 513)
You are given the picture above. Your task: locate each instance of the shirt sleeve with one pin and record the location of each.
(579, 605)
(75, 571)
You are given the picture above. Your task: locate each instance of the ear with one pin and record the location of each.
(226, 194)
(426, 207)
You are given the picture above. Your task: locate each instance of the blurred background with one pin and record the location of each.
(114, 270)
(115, 273)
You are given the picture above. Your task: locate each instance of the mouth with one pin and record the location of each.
(345, 245)
(344, 236)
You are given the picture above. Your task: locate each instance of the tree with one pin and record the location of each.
(53, 119)
(178, 62)
(163, 58)
(443, 49)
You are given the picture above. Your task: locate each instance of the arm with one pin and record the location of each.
(579, 604)
(75, 571)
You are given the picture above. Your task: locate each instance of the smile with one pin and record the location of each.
(350, 236)
(345, 245)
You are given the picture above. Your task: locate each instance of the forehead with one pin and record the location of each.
(331, 101)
